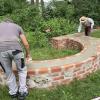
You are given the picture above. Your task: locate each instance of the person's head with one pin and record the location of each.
(83, 19)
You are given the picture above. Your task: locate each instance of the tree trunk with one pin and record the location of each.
(37, 2)
(32, 1)
(42, 7)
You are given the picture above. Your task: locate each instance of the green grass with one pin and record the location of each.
(96, 34)
(85, 89)
(50, 53)
(41, 48)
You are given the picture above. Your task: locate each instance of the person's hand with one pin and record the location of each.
(91, 30)
(28, 58)
(79, 32)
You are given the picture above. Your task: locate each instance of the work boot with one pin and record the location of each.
(14, 96)
(22, 96)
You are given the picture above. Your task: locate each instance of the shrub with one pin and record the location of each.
(29, 18)
(37, 39)
(59, 9)
(58, 26)
(88, 8)
(8, 6)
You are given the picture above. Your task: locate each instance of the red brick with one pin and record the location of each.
(94, 58)
(56, 69)
(68, 66)
(43, 70)
(31, 72)
(58, 78)
(66, 81)
(79, 64)
(89, 69)
(86, 73)
(77, 69)
(75, 74)
(81, 76)
(81, 72)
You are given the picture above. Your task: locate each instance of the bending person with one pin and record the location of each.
(87, 23)
(11, 49)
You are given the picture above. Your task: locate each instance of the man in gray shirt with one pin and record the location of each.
(11, 37)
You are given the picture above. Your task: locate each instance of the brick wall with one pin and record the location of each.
(65, 43)
(43, 77)
(65, 74)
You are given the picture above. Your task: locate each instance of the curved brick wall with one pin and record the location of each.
(63, 43)
(49, 73)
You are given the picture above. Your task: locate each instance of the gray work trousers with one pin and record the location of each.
(6, 63)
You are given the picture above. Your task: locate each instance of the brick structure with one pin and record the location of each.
(47, 73)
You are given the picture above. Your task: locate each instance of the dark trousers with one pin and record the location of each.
(87, 30)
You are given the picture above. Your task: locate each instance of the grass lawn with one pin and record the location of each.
(96, 34)
(85, 89)
(41, 48)
(50, 53)
(46, 53)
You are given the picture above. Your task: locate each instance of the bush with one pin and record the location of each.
(8, 6)
(58, 26)
(88, 8)
(37, 40)
(59, 9)
(48, 29)
(74, 10)
(29, 18)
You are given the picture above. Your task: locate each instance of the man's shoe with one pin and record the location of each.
(14, 95)
(22, 96)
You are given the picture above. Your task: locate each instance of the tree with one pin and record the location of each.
(42, 7)
(32, 1)
(37, 2)
(90, 8)
(8, 6)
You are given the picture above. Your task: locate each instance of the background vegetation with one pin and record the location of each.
(61, 18)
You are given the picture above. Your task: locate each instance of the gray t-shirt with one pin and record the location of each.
(10, 36)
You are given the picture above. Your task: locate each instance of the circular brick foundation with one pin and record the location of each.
(63, 43)
(53, 72)
(63, 70)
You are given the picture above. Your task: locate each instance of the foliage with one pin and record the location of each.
(59, 9)
(8, 6)
(41, 49)
(96, 33)
(74, 10)
(37, 39)
(29, 18)
(58, 26)
(88, 8)
(48, 52)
